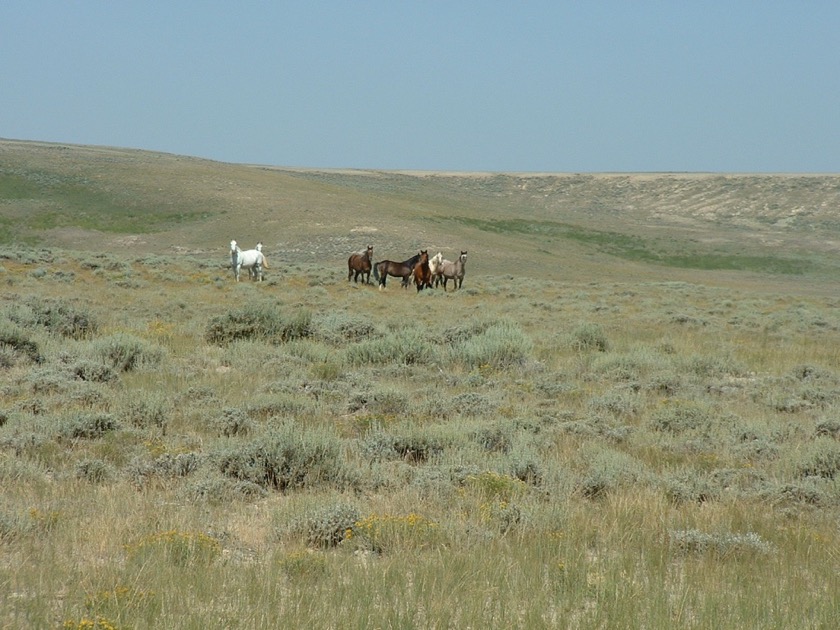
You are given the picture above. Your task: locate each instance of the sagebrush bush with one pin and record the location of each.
(233, 422)
(58, 317)
(331, 525)
(724, 545)
(588, 337)
(501, 345)
(16, 343)
(142, 471)
(287, 458)
(690, 486)
(412, 444)
(218, 490)
(679, 416)
(339, 328)
(87, 425)
(404, 347)
(94, 470)
(125, 352)
(261, 321)
(93, 371)
(150, 411)
(820, 459)
(608, 471)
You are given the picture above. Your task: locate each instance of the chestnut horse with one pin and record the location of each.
(422, 273)
(385, 268)
(359, 263)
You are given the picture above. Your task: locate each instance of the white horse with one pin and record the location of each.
(252, 259)
(454, 271)
(435, 263)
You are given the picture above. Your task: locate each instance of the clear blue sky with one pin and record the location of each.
(731, 85)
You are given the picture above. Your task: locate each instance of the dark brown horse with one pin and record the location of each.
(422, 273)
(359, 263)
(382, 270)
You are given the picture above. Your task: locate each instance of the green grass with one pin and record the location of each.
(638, 248)
(54, 201)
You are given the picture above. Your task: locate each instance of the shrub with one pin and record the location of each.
(726, 545)
(286, 459)
(125, 352)
(330, 526)
(152, 410)
(338, 328)
(57, 317)
(14, 341)
(679, 416)
(689, 486)
(94, 470)
(217, 490)
(414, 445)
(496, 437)
(828, 428)
(501, 345)
(166, 466)
(258, 322)
(608, 470)
(93, 371)
(88, 426)
(233, 422)
(822, 459)
(587, 337)
(404, 347)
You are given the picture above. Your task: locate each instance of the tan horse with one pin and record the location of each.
(454, 271)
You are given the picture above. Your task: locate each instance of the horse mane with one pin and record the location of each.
(412, 261)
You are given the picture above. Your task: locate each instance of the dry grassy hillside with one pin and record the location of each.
(626, 417)
(763, 229)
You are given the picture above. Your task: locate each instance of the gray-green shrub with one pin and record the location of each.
(125, 352)
(262, 321)
(287, 458)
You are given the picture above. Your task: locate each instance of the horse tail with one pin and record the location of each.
(264, 260)
(376, 271)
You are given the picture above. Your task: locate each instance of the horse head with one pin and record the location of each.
(259, 247)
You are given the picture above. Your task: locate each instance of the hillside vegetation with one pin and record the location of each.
(626, 417)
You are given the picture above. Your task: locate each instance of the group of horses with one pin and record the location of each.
(424, 271)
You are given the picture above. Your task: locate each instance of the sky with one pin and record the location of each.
(530, 86)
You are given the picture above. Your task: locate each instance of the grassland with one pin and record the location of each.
(627, 418)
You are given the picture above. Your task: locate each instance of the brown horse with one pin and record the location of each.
(422, 273)
(385, 268)
(359, 263)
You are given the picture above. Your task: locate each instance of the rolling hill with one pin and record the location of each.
(718, 227)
